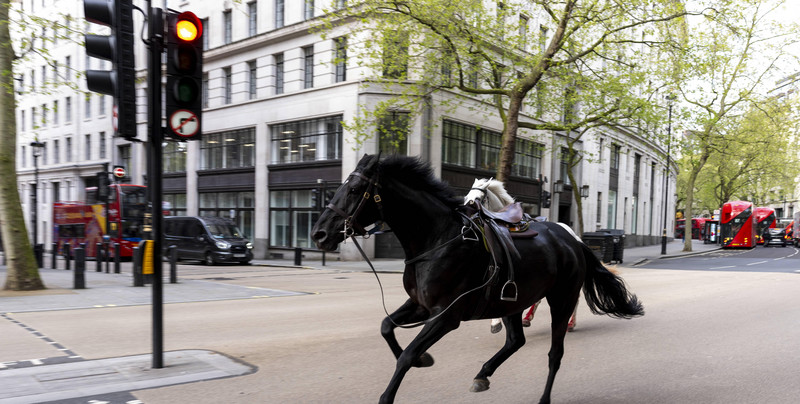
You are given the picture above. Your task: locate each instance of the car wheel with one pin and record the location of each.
(209, 259)
(245, 262)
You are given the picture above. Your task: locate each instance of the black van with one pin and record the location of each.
(209, 239)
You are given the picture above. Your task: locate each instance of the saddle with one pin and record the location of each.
(499, 228)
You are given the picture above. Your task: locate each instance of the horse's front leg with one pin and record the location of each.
(429, 335)
(515, 339)
(408, 313)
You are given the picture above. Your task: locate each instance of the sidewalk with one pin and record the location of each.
(56, 380)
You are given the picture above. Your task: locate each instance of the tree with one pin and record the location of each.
(22, 271)
(723, 78)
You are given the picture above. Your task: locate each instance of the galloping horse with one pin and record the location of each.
(493, 195)
(449, 275)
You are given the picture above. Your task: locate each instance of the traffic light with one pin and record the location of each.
(120, 81)
(546, 199)
(184, 76)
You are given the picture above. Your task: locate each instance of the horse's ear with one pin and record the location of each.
(374, 162)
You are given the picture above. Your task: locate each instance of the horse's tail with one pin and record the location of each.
(606, 292)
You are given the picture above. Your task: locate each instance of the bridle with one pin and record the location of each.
(351, 225)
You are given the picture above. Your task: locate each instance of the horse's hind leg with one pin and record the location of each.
(515, 339)
(560, 310)
(408, 313)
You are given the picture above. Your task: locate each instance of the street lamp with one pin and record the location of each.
(670, 99)
(36, 149)
(585, 191)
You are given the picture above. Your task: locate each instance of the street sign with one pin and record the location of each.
(119, 171)
(184, 123)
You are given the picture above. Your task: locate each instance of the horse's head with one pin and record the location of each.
(353, 207)
(478, 191)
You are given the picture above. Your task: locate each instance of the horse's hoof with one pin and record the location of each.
(526, 322)
(425, 360)
(479, 385)
(496, 328)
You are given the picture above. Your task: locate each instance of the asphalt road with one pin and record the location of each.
(708, 336)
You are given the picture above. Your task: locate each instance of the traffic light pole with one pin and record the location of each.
(155, 165)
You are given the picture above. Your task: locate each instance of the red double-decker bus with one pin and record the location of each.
(87, 222)
(765, 219)
(738, 225)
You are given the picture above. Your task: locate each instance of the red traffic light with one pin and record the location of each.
(188, 27)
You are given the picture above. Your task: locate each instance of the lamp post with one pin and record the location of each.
(670, 98)
(36, 149)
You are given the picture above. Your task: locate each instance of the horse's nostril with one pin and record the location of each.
(319, 235)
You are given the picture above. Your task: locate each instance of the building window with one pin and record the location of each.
(527, 159)
(307, 140)
(176, 203)
(612, 209)
(564, 166)
(56, 151)
(102, 145)
(44, 115)
(174, 157)
(395, 56)
(237, 206)
(55, 112)
(393, 131)
(308, 67)
(24, 157)
(88, 106)
(87, 147)
(292, 214)
(599, 211)
(252, 78)
(459, 144)
(279, 73)
(68, 69)
(56, 191)
(22, 120)
(340, 4)
(490, 142)
(34, 117)
(252, 15)
(68, 157)
(228, 85)
(124, 156)
(68, 110)
(340, 58)
(205, 90)
(101, 105)
(231, 149)
(615, 157)
(206, 33)
(228, 26)
(523, 31)
(279, 8)
(308, 11)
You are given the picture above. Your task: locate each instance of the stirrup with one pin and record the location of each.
(503, 292)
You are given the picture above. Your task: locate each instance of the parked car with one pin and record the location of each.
(209, 239)
(775, 236)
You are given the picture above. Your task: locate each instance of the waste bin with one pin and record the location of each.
(601, 244)
(618, 240)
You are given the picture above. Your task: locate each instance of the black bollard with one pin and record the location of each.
(107, 255)
(98, 248)
(67, 256)
(298, 256)
(38, 252)
(173, 264)
(138, 278)
(53, 255)
(116, 258)
(80, 269)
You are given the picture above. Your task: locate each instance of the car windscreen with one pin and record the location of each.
(224, 231)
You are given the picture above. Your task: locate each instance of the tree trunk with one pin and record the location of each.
(507, 149)
(687, 213)
(21, 269)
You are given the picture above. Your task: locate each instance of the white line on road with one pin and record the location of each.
(725, 267)
(756, 263)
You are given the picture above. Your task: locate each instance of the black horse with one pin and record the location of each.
(449, 275)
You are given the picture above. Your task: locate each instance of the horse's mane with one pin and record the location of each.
(418, 174)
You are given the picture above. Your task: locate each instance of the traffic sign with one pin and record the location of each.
(119, 171)
(184, 123)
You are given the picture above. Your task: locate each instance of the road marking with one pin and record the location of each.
(726, 267)
(756, 263)
(37, 334)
